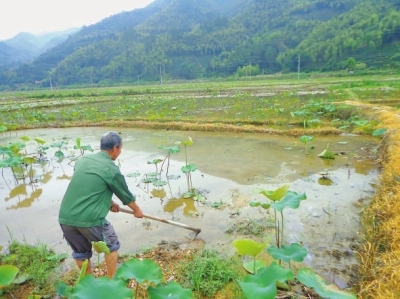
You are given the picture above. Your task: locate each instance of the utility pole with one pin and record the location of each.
(298, 68)
(160, 76)
(51, 86)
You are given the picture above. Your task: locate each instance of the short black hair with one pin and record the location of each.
(109, 140)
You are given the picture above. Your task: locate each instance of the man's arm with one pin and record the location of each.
(136, 209)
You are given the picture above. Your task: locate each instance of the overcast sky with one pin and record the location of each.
(37, 16)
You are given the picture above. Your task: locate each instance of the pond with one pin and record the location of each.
(230, 167)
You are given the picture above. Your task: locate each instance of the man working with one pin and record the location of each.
(88, 199)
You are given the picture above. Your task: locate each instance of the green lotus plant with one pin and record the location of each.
(326, 154)
(306, 140)
(279, 199)
(188, 168)
(251, 248)
(8, 273)
(144, 271)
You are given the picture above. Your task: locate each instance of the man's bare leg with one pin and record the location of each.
(88, 267)
(111, 260)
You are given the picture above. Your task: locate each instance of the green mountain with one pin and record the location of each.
(188, 39)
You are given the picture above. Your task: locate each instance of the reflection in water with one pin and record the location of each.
(174, 203)
(64, 177)
(17, 191)
(159, 193)
(46, 177)
(362, 166)
(325, 181)
(27, 202)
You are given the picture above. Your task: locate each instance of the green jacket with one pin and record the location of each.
(88, 198)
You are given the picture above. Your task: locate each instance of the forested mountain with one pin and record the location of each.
(187, 39)
(25, 46)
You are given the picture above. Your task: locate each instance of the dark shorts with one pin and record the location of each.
(80, 239)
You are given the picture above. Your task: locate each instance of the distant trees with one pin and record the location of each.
(192, 39)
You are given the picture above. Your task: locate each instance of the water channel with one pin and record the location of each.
(230, 167)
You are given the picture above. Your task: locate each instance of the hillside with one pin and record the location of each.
(25, 46)
(189, 39)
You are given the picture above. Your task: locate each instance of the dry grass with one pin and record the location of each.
(380, 257)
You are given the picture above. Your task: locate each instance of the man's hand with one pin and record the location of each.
(114, 207)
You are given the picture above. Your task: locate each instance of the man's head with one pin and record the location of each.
(111, 142)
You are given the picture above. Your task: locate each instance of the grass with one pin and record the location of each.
(37, 264)
(208, 273)
(380, 269)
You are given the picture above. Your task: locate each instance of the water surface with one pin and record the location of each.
(230, 167)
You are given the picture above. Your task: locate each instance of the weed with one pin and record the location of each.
(208, 272)
(36, 263)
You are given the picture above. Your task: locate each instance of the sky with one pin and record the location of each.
(39, 16)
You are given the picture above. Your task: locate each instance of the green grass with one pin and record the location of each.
(208, 272)
(37, 264)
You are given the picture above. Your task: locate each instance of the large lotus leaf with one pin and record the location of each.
(11, 161)
(149, 180)
(275, 195)
(305, 139)
(159, 183)
(5, 151)
(313, 280)
(101, 288)
(154, 161)
(141, 270)
(172, 290)
(100, 247)
(379, 132)
(249, 247)
(189, 168)
(63, 289)
(87, 148)
(7, 275)
(15, 147)
(25, 138)
(360, 122)
(264, 205)
(326, 154)
(171, 149)
(188, 141)
(263, 284)
(173, 177)
(253, 266)
(78, 143)
(59, 154)
(292, 200)
(133, 175)
(29, 160)
(39, 140)
(199, 197)
(293, 252)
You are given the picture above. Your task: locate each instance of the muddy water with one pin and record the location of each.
(230, 167)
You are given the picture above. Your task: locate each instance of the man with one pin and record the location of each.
(88, 199)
